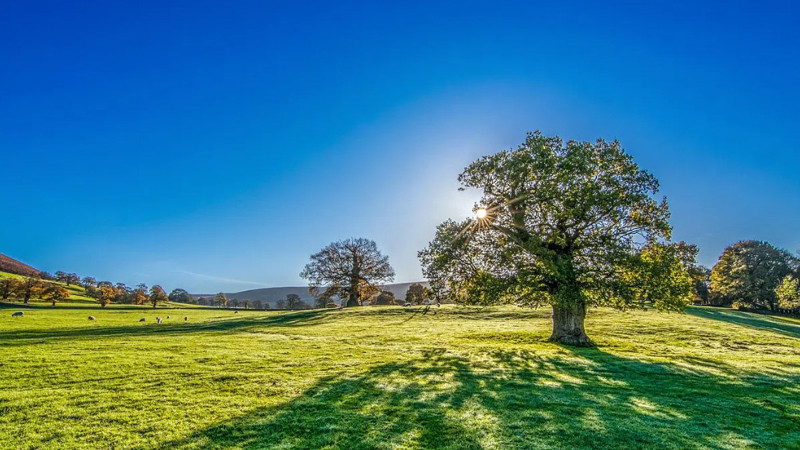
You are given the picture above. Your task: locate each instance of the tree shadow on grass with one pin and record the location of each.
(776, 324)
(582, 398)
(244, 322)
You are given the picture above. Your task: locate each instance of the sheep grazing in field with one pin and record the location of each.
(236, 312)
(167, 317)
(18, 314)
(185, 318)
(91, 317)
(158, 320)
(142, 319)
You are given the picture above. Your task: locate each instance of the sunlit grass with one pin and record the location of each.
(392, 377)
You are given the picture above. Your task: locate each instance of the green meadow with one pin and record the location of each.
(392, 377)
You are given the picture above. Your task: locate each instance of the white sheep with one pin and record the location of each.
(158, 319)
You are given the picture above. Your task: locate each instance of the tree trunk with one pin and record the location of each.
(353, 300)
(568, 325)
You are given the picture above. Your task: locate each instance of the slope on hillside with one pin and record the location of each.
(272, 295)
(11, 265)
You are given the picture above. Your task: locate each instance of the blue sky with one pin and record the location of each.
(215, 145)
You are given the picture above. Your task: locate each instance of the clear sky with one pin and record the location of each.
(215, 145)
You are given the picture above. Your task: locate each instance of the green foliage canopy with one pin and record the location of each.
(748, 272)
(564, 224)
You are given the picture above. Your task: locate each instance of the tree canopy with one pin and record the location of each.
(221, 299)
(788, 293)
(385, 298)
(559, 223)
(352, 269)
(748, 272)
(180, 296)
(157, 295)
(416, 294)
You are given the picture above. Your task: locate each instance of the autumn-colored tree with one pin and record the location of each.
(8, 288)
(157, 295)
(139, 295)
(88, 282)
(124, 293)
(351, 269)
(55, 293)
(29, 288)
(557, 222)
(106, 294)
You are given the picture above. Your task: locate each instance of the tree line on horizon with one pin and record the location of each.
(55, 288)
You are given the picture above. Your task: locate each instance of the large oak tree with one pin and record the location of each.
(352, 269)
(562, 224)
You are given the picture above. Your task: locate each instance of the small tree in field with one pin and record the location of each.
(385, 298)
(29, 288)
(416, 294)
(559, 224)
(350, 269)
(220, 299)
(157, 295)
(106, 294)
(293, 301)
(180, 296)
(139, 295)
(55, 293)
(8, 287)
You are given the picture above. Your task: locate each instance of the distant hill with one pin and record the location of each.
(11, 265)
(272, 295)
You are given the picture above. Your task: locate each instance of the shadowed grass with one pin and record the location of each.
(784, 325)
(395, 378)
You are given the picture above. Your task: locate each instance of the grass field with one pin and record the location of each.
(393, 377)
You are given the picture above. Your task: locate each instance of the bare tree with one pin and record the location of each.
(352, 269)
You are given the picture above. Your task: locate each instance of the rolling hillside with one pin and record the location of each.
(11, 265)
(272, 295)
